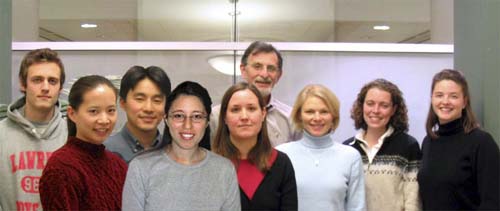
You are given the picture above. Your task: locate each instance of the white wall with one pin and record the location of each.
(343, 73)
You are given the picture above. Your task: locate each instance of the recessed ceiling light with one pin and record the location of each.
(381, 27)
(88, 25)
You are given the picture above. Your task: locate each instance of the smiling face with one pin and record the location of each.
(316, 117)
(42, 87)
(187, 122)
(96, 116)
(244, 116)
(144, 106)
(448, 101)
(377, 109)
(262, 70)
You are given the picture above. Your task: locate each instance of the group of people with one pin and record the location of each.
(251, 152)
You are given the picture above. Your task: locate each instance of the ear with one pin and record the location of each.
(22, 85)
(280, 72)
(243, 71)
(122, 103)
(394, 109)
(71, 113)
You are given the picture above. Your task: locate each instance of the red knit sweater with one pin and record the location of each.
(82, 176)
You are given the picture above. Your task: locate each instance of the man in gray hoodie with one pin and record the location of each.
(33, 129)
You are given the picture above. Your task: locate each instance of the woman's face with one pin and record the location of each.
(187, 121)
(447, 101)
(316, 117)
(96, 116)
(378, 109)
(244, 116)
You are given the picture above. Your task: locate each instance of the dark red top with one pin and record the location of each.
(82, 176)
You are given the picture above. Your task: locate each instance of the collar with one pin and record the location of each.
(316, 142)
(451, 128)
(92, 149)
(134, 143)
(361, 133)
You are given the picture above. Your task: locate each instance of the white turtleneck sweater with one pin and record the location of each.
(329, 175)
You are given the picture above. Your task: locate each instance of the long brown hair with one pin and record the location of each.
(222, 144)
(469, 119)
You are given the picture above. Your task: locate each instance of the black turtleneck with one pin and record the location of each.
(459, 171)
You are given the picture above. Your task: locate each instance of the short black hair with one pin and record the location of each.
(137, 73)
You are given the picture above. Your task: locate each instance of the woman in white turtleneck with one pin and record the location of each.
(329, 175)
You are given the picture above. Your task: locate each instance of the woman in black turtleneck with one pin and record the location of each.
(460, 163)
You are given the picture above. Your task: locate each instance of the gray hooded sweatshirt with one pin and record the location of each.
(23, 155)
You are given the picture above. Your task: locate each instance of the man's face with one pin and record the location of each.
(144, 105)
(42, 87)
(262, 71)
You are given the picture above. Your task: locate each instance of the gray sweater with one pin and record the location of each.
(156, 182)
(24, 151)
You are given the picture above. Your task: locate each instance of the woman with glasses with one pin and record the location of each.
(182, 175)
(266, 176)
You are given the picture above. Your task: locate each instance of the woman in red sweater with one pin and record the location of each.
(265, 175)
(82, 175)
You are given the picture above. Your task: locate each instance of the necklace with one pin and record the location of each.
(316, 156)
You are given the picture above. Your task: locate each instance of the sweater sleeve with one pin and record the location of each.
(134, 193)
(58, 191)
(289, 199)
(232, 201)
(487, 173)
(355, 197)
(410, 184)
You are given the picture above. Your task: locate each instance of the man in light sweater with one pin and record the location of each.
(33, 129)
(262, 66)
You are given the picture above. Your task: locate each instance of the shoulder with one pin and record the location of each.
(219, 163)
(482, 138)
(281, 107)
(283, 158)
(287, 147)
(349, 141)
(115, 140)
(218, 159)
(346, 152)
(115, 158)
(405, 140)
(148, 160)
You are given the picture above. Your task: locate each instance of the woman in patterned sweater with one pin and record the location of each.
(390, 156)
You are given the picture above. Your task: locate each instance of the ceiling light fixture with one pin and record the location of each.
(88, 25)
(381, 27)
(225, 64)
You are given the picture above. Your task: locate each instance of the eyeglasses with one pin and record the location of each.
(181, 117)
(259, 67)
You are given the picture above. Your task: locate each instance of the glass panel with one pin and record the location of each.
(179, 66)
(410, 71)
(404, 21)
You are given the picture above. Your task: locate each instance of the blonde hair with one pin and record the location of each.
(321, 92)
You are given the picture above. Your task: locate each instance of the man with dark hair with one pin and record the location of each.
(33, 129)
(143, 93)
(262, 66)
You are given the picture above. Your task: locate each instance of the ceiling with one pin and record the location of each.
(210, 20)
